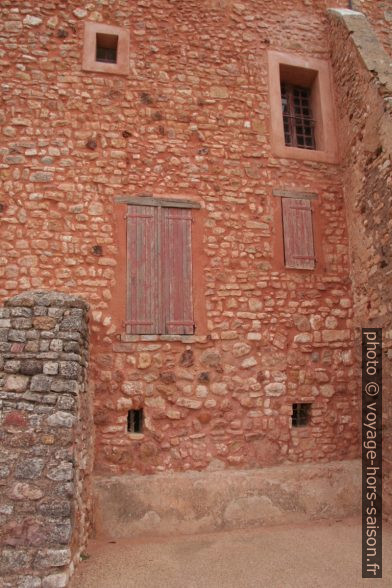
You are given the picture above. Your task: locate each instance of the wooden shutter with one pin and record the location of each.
(177, 270)
(298, 233)
(143, 272)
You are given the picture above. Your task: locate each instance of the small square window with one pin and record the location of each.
(301, 414)
(135, 421)
(106, 49)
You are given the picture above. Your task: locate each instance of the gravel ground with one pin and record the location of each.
(314, 555)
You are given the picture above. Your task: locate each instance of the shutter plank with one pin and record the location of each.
(142, 271)
(177, 271)
(298, 233)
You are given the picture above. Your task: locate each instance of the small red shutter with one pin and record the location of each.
(143, 293)
(177, 270)
(298, 233)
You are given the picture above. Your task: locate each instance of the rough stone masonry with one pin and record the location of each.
(46, 438)
(190, 120)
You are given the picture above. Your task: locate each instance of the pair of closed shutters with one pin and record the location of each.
(159, 270)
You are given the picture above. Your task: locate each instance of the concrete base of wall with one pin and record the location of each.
(195, 502)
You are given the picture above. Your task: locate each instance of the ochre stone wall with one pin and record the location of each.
(46, 437)
(191, 120)
(379, 14)
(363, 81)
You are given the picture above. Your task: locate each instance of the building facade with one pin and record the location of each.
(189, 169)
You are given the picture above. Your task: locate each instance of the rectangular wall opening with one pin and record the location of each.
(301, 414)
(135, 421)
(106, 48)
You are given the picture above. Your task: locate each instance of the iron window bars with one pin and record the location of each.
(297, 117)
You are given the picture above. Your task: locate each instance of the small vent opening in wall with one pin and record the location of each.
(106, 48)
(135, 421)
(301, 414)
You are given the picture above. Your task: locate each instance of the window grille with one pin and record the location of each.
(297, 117)
(301, 414)
(106, 51)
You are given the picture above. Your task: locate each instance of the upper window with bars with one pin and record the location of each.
(302, 109)
(298, 121)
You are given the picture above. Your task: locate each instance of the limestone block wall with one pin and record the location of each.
(363, 79)
(46, 438)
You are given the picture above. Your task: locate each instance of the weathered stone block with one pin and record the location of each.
(16, 383)
(64, 386)
(14, 559)
(73, 323)
(58, 532)
(70, 369)
(41, 177)
(61, 472)
(219, 388)
(51, 368)
(54, 507)
(275, 389)
(17, 336)
(249, 362)
(55, 580)
(29, 469)
(29, 582)
(61, 419)
(23, 491)
(32, 21)
(12, 366)
(47, 558)
(44, 323)
(41, 383)
(189, 403)
(30, 367)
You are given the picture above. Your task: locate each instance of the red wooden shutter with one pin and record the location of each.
(143, 291)
(177, 270)
(298, 233)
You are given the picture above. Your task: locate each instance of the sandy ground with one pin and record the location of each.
(309, 556)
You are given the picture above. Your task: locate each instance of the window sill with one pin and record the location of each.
(136, 436)
(185, 338)
(286, 152)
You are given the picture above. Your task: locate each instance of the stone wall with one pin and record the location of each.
(190, 120)
(203, 502)
(379, 15)
(364, 93)
(46, 437)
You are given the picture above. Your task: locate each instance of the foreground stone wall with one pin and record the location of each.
(200, 502)
(363, 79)
(46, 437)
